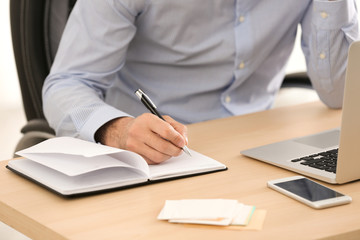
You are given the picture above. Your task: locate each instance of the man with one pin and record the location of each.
(198, 60)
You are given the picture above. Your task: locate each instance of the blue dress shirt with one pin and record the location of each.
(197, 60)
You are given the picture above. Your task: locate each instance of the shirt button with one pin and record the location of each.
(241, 19)
(324, 15)
(322, 56)
(241, 65)
(228, 99)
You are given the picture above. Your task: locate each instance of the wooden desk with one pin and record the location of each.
(131, 214)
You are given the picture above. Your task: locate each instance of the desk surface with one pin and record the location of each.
(131, 213)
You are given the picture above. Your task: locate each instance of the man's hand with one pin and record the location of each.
(147, 135)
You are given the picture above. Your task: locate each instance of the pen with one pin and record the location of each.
(152, 108)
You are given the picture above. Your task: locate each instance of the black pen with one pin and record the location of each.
(152, 108)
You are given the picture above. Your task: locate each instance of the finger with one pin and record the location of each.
(150, 155)
(157, 134)
(162, 145)
(147, 134)
(161, 139)
(180, 128)
(168, 132)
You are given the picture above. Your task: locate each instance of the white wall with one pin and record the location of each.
(9, 87)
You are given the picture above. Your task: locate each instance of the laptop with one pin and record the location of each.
(339, 158)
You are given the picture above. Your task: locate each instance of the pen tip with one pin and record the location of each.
(187, 151)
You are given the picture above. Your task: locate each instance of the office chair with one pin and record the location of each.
(36, 28)
(297, 80)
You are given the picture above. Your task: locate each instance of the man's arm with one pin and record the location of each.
(92, 50)
(328, 29)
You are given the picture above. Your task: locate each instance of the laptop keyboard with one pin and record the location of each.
(323, 161)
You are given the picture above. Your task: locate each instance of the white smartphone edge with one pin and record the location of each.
(345, 199)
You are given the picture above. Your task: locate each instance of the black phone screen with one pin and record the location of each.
(308, 189)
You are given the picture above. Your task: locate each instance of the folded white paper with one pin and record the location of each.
(222, 212)
(243, 215)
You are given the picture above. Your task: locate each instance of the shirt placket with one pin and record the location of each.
(242, 52)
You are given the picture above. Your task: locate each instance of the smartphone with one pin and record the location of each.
(309, 192)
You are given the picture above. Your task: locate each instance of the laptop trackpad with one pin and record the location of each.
(321, 140)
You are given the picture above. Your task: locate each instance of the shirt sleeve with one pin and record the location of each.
(91, 51)
(328, 29)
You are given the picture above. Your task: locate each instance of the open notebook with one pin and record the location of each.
(71, 166)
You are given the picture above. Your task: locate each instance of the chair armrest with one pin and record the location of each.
(30, 139)
(34, 132)
(39, 125)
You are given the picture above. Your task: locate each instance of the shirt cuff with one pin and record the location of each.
(328, 15)
(99, 118)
